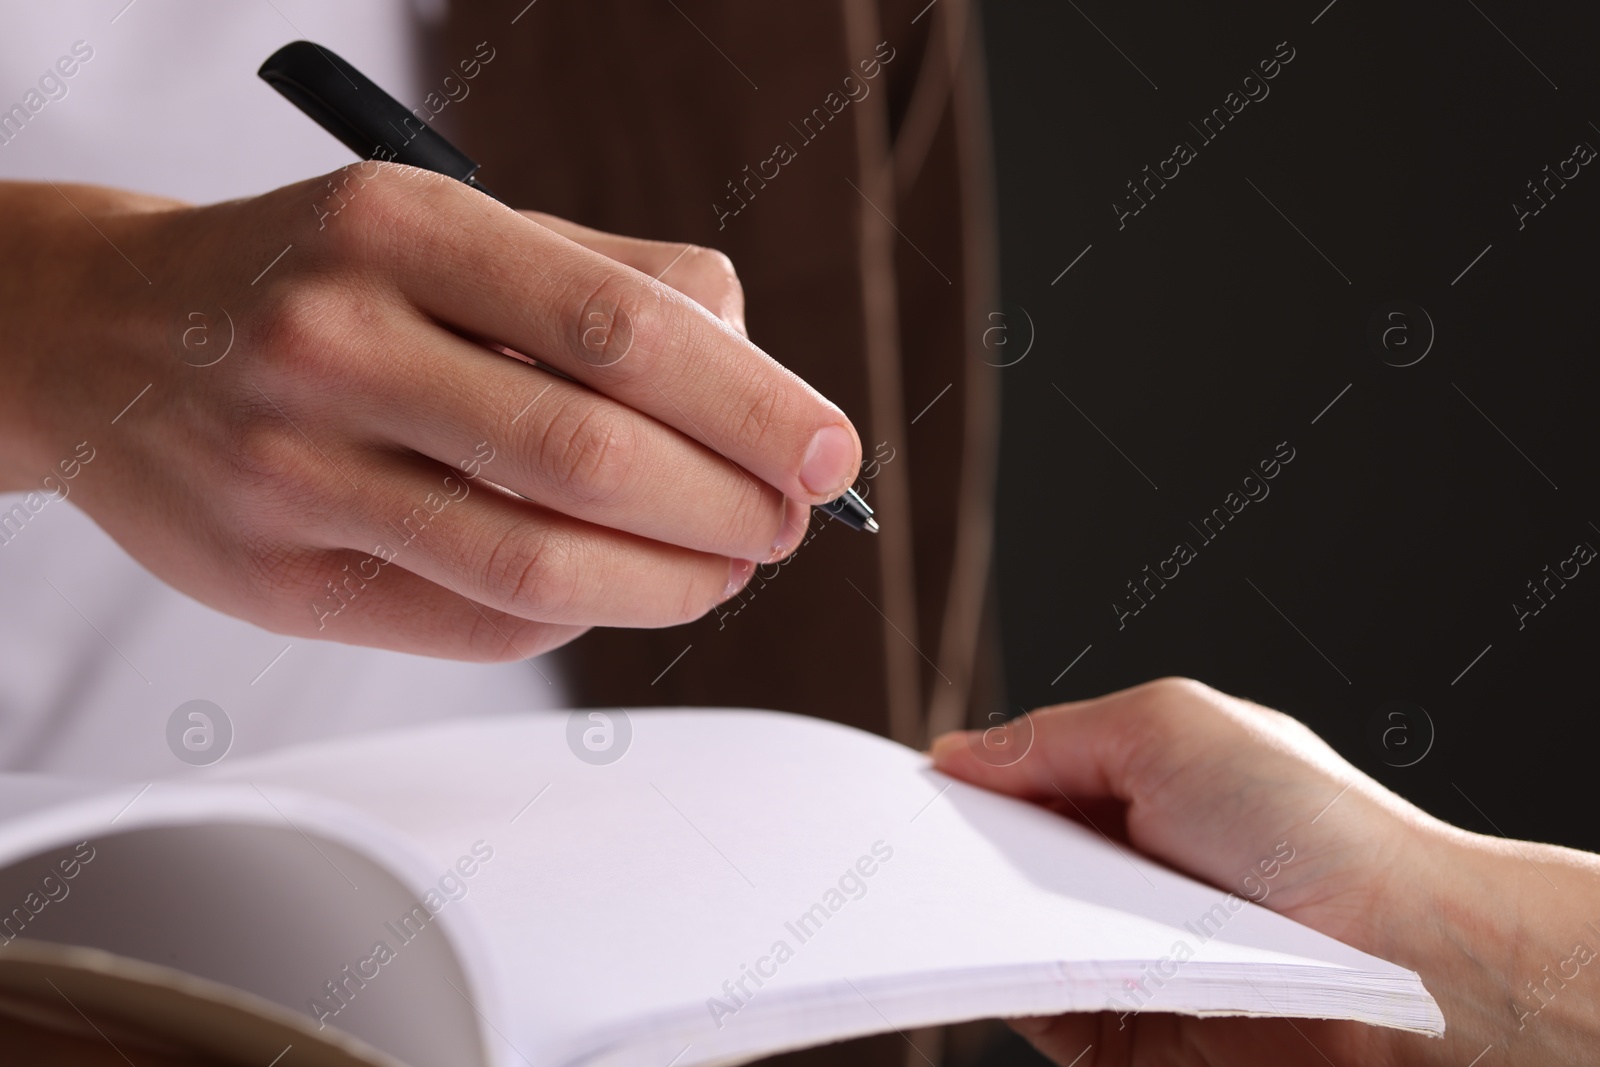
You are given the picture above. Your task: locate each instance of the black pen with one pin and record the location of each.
(374, 125)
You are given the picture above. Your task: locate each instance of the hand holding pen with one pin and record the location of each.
(375, 126)
(302, 414)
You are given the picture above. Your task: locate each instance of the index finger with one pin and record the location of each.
(488, 271)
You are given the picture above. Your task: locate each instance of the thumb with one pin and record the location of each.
(1210, 784)
(1082, 749)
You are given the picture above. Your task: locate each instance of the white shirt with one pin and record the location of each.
(96, 653)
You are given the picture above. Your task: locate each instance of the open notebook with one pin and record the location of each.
(737, 883)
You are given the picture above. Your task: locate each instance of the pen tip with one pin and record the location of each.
(871, 526)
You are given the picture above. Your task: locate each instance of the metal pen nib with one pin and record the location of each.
(851, 510)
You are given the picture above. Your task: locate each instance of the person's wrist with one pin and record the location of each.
(1553, 948)
(1460, 937)
(1492, 926)
(69, 309)
(22, 252)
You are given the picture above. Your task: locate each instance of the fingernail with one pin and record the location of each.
(739, 572)
(827, 467)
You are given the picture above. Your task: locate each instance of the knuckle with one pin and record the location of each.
(293, 322)
(758, 421)
(721, 263)
(1184, 713)
(716, 271)
(490, 640)
(1156, 710)
(374, 196)
(375, 209)
(610, 315)
(495, 637)
(270, 476)
(311, 334)
(717, 286)
(276, 573)
(290, 588)
(269, 480)
(588, 454)
(532, 574)
(1175, 690)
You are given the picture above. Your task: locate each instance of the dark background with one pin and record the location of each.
(1208, 330)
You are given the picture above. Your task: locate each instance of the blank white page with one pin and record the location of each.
(621, 898)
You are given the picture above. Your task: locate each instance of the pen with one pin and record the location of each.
(374, 125)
